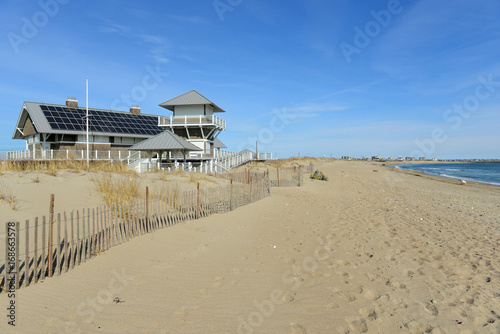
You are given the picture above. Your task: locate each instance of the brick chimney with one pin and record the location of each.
(134, 109)
(72, 102)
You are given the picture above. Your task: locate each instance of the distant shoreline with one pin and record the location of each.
(453, 180)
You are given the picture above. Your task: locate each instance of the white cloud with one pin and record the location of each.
(112, 27)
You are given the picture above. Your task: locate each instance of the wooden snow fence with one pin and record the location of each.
(289, 176)
(51, 245)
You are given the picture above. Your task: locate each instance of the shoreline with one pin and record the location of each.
(450, 180)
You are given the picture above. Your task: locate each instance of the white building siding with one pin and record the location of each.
(195, 110)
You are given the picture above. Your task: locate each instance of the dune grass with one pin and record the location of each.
(168, 193)
(7, 196)
(117, 188)
(291, 161)
(163, 176)
(52, 167)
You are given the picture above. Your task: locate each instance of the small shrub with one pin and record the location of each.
(317, 175)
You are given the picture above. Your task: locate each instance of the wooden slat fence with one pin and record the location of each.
(50, 246)
(289, 176)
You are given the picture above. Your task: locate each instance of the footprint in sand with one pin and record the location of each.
(358, 325)
(369, 314)
(204, 293)
(181, 312)
(288, 297)
(348, 297)
(218, 281)
(432, 308)
(370, 294)
(297, 329)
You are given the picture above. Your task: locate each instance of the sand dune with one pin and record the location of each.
(371, 250)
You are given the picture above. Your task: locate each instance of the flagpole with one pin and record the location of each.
(87, 107)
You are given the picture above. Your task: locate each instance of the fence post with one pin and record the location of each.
(231, 200)
(27, 255)
(251, 184)
(16, 256)
(58, 249)
(278, 173)
(44, 268)
(300, 176)
(78, 247)
(51, 234)
(35, 255)
(72, 250)
(198, 201)
(147, 209)
(66, 244)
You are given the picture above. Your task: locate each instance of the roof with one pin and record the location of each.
(165, 141)
(61, 119)
(218, 143)
(190, 98)
(246, 151)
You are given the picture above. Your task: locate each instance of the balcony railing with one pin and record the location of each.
(191, 120)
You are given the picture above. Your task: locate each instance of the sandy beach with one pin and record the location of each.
(371, 250)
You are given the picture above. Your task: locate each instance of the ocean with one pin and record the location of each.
(488, 172)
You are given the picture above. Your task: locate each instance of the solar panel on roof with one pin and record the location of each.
(73, 119)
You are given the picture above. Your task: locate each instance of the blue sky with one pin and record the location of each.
(389, 78)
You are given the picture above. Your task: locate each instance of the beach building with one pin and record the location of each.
(194, 119)
(46, 127)
(190, 134)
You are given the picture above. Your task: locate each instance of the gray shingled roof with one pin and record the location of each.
(39, 121)
(189, 98)
(165, 141)
(218, 143)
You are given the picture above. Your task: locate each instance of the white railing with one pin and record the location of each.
(225, 161)
(66, 155)
(219, 162)
(191, 120)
